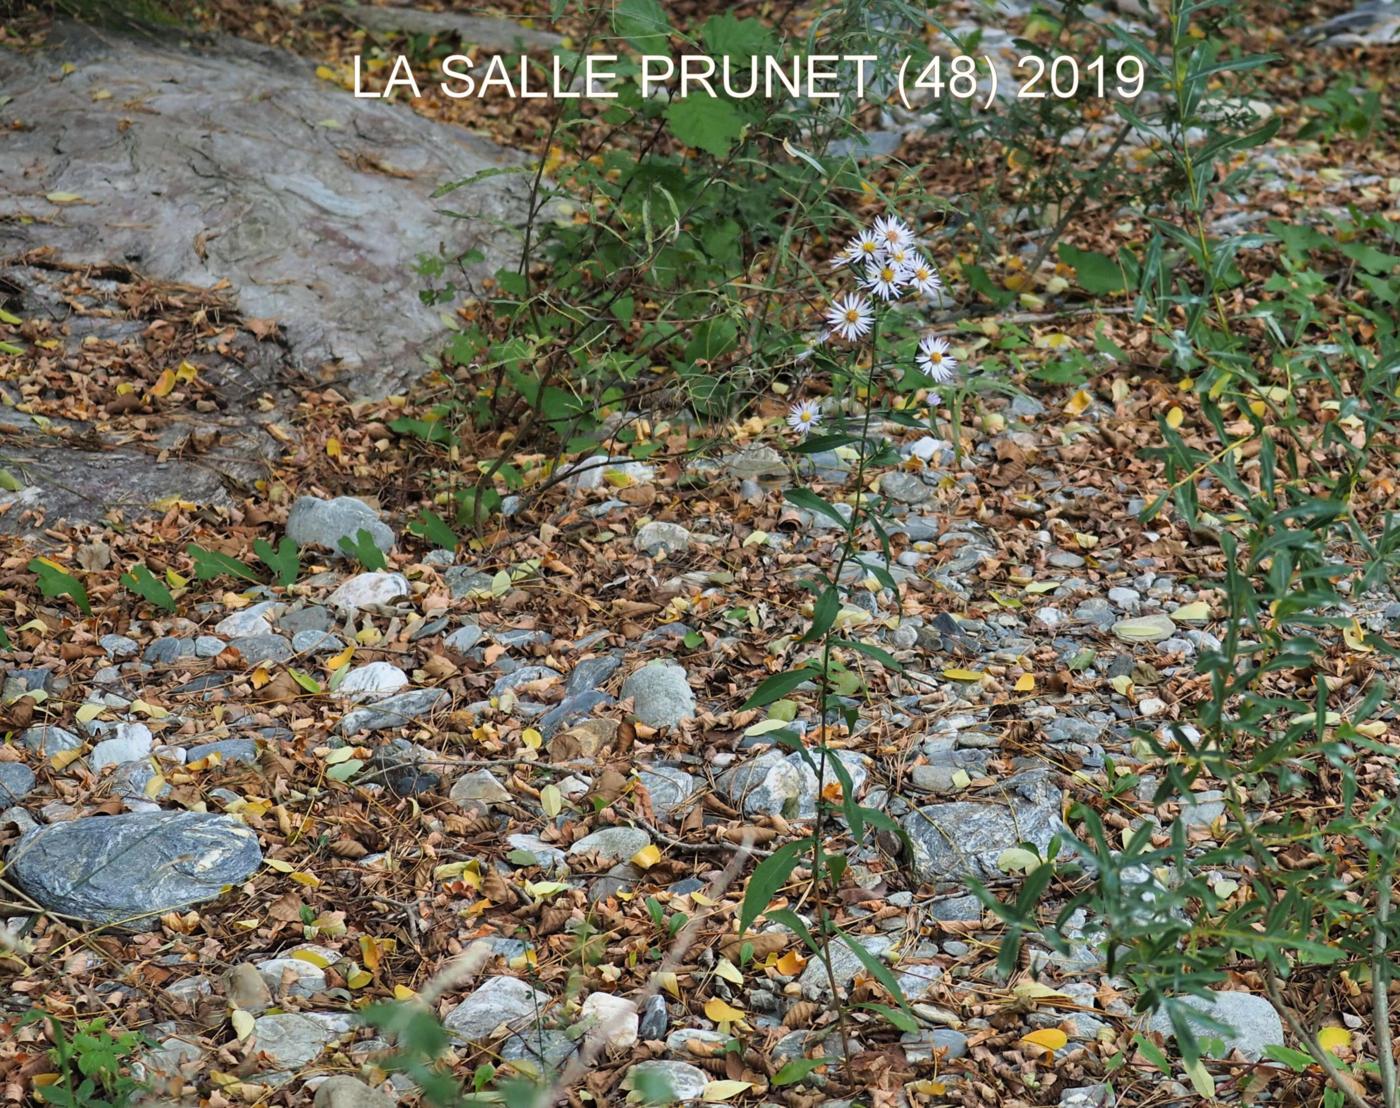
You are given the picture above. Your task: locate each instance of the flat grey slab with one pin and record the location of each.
(118, 869)
(199, 159)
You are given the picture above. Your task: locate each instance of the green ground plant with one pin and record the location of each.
(1291, 893)
(92, 1064)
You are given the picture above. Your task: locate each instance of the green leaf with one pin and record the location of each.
(146, 585)
(884, 657)
(816, 444)
(769, 876)
(797, 1069)
(363, 550)
(900, 1021)
(55, 582)
(877, 969)
(209, 564)
(305, 680)
(1096, 273)
(643, 23)
(343, 771)
(428, 430)
(705, 122)
(779, 685)
(284, 562)
(806, 498)
(5, 643)
(824, 614)
(431, 526)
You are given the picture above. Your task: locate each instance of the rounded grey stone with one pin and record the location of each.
(316, 522)
(660, 694)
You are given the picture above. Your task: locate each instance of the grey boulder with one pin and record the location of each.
(499, 1000)
(123, 868)
(1254, 1024)
(316, 522)
(964, 838)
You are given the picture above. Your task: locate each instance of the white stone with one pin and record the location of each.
(256, 620)
(130, 742)
(373, 681)
(369, 590)
(610, 1020)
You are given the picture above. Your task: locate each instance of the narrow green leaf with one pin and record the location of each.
(779, 685)
(768, 877)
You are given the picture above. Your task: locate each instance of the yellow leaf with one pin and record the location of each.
(1355, 637)
(647, 857)
(301, 877)
(403, 992)
(1025, 683)
(165, 384)
(532, 738)
(63, 758)
(551, 800)
(358, 979)
(261, 677)
(311, 958)
(1078, 402)
(729, 971)
(280, 866)
(373, 950)
(89, 712)
(722, 1090)
(242, 1023)
(1197, 611)
(963, 674)
(186, 372)
(62, 197)
(334, 663)
(1085, 540)
(333, 447)
(174, 580)
(1049, 1039)
(153, 786)
(720, 1012)
(1174, 417)
(1334, 1039)
(790, 964)
(669, 982)
(960, 779)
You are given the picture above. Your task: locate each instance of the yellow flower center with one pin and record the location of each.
(852, 315)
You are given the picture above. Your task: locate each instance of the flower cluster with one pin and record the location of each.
(887, 258)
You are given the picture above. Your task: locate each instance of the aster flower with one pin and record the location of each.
(884, 279)
(865, 247)
(850, 317)
(935, 360)
(892, 232)
(803, 416)
(922, 277)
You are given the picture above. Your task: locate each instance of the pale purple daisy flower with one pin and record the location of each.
(935, 360)
(803, 416)
(850, 317)
(884, 279)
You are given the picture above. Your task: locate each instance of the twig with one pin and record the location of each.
(1340, 1081)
